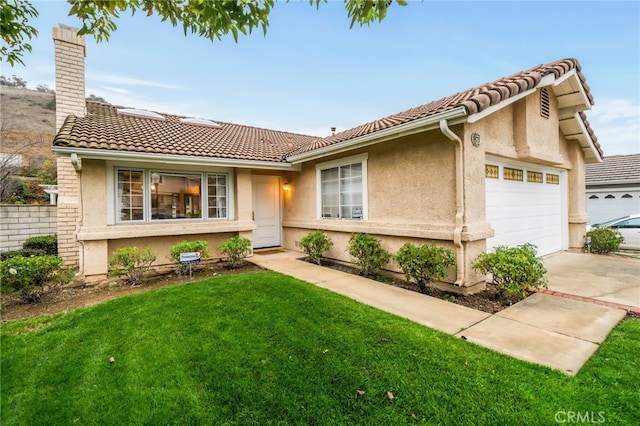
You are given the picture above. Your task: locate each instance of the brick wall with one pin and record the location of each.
(19, 222)
(70, 91)
(69, 59)
(68, 212)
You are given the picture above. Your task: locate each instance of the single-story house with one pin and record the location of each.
(613, 188)
(499, 164)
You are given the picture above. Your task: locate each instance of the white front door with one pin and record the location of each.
(266, 211)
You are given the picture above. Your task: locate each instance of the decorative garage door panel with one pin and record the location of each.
(525, 205)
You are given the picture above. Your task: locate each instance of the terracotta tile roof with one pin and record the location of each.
(104, 128)
(614, 168)
(474, 100)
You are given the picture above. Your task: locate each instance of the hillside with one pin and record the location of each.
(27, 117)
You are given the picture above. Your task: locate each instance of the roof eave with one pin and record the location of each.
(613, 182)
(188, 160)
(454, 116)
(591, 154)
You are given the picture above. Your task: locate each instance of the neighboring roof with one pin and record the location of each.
(104, 128)
(617, 168)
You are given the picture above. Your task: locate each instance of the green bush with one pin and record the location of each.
(514, 269)
(131, 263)
(603, 240)
(42, 245)
(424, 264)
(31, 277)
(368, 253)
(187, 247)
(236, 249)
(13, 253)
(315, 244)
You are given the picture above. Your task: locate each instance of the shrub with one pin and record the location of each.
(187, 247)
(514, 269)
(603, 240)
(369, 254)
(31, 277)
(424, 264)
(13, 253)
(42, 245)
(236, 249)
(131, 263)
(315, 245)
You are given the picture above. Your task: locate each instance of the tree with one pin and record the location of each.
(12, 188)
(44, 89)
(15, 29)
(93, 97)
(211, 19)
(14, 81)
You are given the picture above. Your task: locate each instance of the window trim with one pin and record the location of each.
(345, 161)
(113, 211)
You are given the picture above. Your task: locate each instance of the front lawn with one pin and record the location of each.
(263, 348)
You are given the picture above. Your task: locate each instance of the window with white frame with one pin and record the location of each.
(217, 203)
(342, 188)
(169, 195)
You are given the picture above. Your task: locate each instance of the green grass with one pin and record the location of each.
(268, 349)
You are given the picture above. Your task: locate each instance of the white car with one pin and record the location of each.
(628, 227)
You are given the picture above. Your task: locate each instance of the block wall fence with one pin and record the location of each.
(19, 222)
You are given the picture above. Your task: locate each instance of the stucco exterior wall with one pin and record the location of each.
(411, 189)
(411, 198)
(97, 237)
(162, 245)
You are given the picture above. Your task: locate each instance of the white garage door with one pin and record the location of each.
(526, 204)
(604, 205)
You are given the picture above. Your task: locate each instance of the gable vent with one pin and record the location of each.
(544, 102)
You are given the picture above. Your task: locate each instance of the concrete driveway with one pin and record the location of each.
(612, 279)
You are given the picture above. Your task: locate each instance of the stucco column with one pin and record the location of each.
(577, 199)
(244, 200)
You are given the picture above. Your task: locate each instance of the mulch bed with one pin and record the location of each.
(486, 301)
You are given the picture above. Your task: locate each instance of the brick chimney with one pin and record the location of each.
(69, 58)
(70, 53)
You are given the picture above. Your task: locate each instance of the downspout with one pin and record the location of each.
(78, 168)
(457, 232)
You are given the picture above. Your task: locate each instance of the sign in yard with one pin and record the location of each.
(191, 257)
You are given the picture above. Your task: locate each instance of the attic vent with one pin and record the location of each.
(200, 122)
(627, 196)
(594, 197)
(544, 102)
(141, 113)
(609, 196)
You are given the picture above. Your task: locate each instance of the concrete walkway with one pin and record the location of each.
(560, 333)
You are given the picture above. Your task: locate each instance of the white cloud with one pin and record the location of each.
(115, 90)
(616, 123)
(128, 81)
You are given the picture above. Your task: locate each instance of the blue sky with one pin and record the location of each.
(312, 72)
